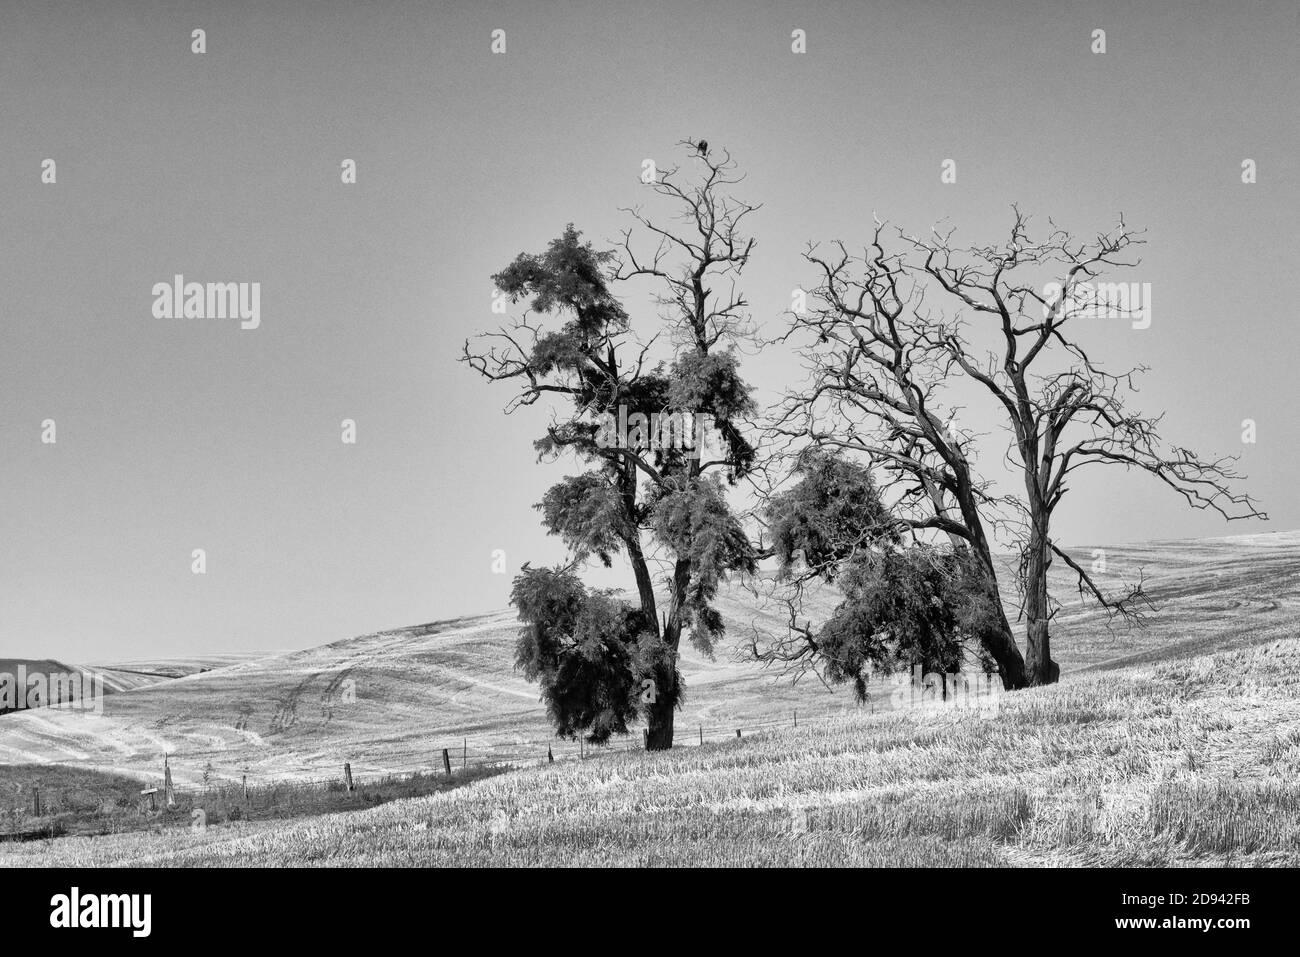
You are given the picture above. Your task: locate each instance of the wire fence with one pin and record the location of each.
(35, 810)
(61, 799)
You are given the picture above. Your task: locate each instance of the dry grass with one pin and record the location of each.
(418, 690)
(1187, 762)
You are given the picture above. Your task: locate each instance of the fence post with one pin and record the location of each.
(550, 758)
(245, 788)
(36, 801)
(169, 792)
(347, 775)
(796, 717)
(645, 738)
(446, 762)
(464, 752)
(737, 732)
(701, 734)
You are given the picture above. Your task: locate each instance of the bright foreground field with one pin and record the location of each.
(1186, 762)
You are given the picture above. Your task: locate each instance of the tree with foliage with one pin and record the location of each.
(647, 495)
(906, 604)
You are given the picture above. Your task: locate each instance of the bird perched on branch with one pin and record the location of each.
(703, 147)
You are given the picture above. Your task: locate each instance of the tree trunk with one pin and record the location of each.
(659, 722)
(1000, 644)
(660, 712)
(645, 586)
(1039, 666)
(644, 583)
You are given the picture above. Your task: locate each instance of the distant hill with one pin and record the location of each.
(391, 701)
(59, 683)
(139, 673)
(112, 678)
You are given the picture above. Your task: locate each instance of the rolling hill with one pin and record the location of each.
(1185, 762)
(391, 701)
(58, 682)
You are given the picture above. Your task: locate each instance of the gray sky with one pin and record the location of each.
(183, 434)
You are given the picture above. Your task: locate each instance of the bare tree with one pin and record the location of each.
(877, 374)
(1005, 319)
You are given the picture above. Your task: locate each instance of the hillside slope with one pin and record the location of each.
(1192, 762)
(392, 701)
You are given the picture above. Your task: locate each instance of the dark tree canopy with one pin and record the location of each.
(830, 515)
(920, 606)
(589, 652)
(903, 605)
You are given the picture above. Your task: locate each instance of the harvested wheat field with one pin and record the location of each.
(1186, 762)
